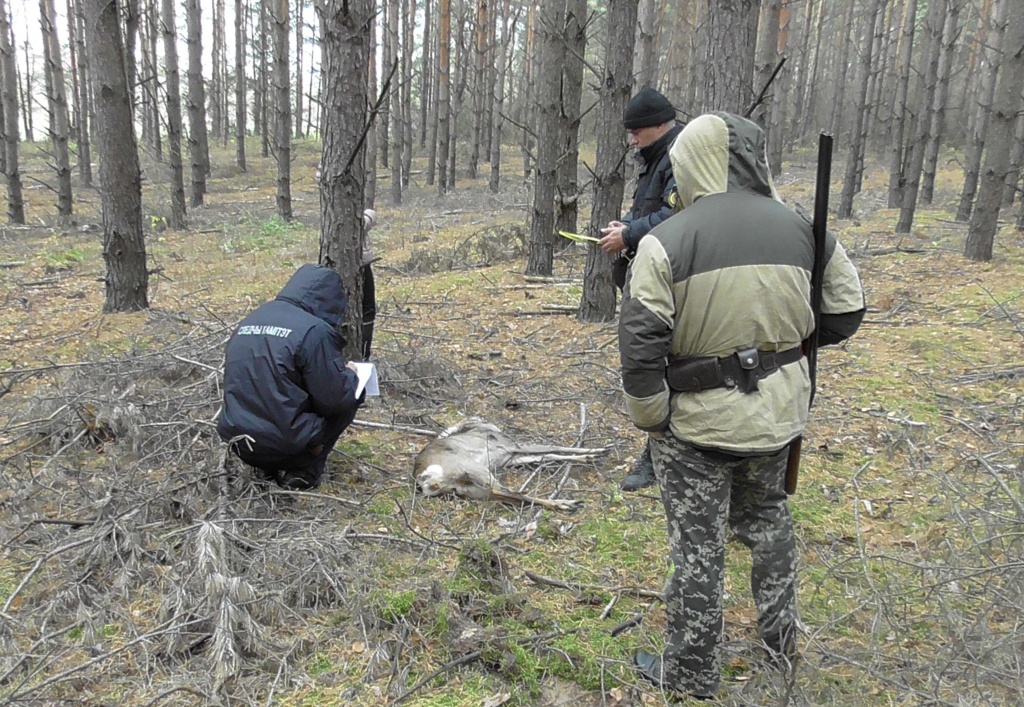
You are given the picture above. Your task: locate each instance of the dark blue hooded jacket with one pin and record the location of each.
(284, 371)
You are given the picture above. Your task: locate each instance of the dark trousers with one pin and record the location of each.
(706, 494)
(369, 309)
(300, 471)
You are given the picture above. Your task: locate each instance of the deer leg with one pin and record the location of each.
(549, 449)
(521, 459)
(519, 499)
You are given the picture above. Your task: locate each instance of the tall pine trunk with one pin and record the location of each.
(124, 246)
(9, 96)
(345, 44)
(282, 112)
(58, 105)
(240, 85)
(198, 141)
(1005, 105)
(174, 156)
(550, 53)
(597, 303)
(897, 152)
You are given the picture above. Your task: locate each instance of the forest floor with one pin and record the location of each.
(141, 565)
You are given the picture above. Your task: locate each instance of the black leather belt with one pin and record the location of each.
(742, 370)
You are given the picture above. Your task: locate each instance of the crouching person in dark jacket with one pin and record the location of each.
(288, 391)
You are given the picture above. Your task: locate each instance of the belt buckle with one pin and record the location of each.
(749, 359)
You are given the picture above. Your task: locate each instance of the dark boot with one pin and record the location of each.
(642, 474)
(781, 648)
(649, 667)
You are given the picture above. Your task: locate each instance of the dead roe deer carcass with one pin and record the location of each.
(464, 459)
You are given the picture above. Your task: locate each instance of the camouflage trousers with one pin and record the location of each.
(705, 494)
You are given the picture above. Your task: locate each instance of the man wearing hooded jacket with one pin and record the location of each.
(714, 311)
(288, 391)
(651, 121)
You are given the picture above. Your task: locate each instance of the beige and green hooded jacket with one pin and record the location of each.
(731, 271)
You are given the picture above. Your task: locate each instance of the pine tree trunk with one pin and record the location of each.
(897, 154)
(479, 86)
(645, 62)
(597, 302)
(507, 30)
(153, 87)
(780, 95)
(766, 60)
(58, 103)
(836, 122)
(408, 47)
(345, 43)
(198, 142)
(387, 64)
(999, 138)
(9, 97)
(394, 15)
(950, 34)
(124, 246)
(131, 31)
(915, 163)
(574, 39)
(25, 89)
(529, 87)
(299, 7)
(426, 76)
(173, 83)
(370, 188)
(240, 85)
(283, 109)
(731, 30)
(550, 53)
(845, 209)
(443, 96)
(1016, 161)
(216, 76)
(266, 99)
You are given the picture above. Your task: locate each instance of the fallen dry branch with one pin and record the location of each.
(580, 586)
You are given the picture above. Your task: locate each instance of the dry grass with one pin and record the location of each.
(141, 565)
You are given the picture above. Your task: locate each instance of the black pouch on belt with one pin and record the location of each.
(692, 375)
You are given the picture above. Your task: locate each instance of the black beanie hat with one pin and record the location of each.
(647, 108)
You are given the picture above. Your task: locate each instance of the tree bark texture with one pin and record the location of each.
(950, 34)
(597, 303)
(1006, 102)
(444, 24)
(550, 54)
(9, 96)
(282, 111)
(731, 29)
(58, 104)
(975, 148)
(854, 155)
(198, 140)
(507, 25)
(574, 39)
(173, 81)
(912, 178)
(897, 153)
(345, 43)
(241, 10)
(124, 247)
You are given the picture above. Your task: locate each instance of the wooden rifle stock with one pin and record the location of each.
(819, 226)
(793, 465)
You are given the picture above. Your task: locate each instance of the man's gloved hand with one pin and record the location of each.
(369, 219)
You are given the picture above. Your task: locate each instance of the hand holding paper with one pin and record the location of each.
(367, 374)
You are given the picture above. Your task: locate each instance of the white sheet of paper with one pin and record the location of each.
(367, 374)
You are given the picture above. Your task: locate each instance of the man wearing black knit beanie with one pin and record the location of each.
(650, 119)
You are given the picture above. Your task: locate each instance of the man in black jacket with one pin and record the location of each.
(288, 391)
(651, 121)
